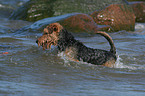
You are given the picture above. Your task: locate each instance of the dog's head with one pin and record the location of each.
(50, 36)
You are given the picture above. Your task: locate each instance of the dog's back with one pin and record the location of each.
(95, 56)
(78, 51)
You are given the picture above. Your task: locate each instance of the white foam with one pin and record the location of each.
(63, 56)
(119, 64)
(140, 26)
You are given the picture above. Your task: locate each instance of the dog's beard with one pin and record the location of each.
(47, 45)
(46, 41)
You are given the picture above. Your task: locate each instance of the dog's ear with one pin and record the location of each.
(54, 27)
(57, 27)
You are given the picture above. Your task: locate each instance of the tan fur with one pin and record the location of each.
(110, 63)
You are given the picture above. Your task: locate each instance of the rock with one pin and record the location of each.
(118, 16)
(139, 10)
(105, 28)
(74, 22)
(35, 10)
(79, 23)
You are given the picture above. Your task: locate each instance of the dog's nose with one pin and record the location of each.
(37, 41)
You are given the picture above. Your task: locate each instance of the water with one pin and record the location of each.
(29, 71)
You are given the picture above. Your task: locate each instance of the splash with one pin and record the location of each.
(120, 64)
(140, 26)
(63, 56)
(69, 62)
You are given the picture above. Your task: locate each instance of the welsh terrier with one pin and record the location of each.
(55, 34)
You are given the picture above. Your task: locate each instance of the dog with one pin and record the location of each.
(55, 34)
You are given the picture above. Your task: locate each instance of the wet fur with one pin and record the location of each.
(90, 55)
(76, 50)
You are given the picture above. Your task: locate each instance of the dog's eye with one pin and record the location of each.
(45, 33)
(55, 29)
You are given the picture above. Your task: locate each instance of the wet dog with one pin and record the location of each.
(55, 34)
